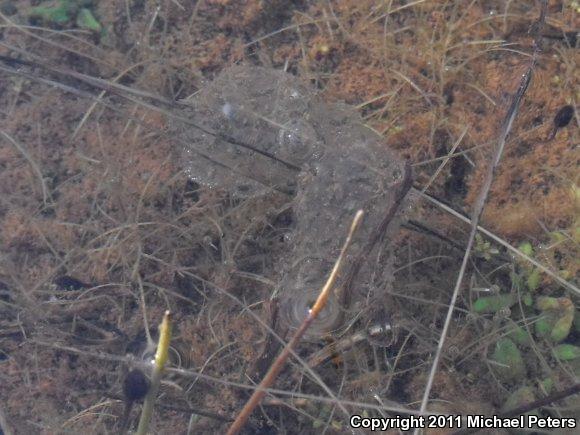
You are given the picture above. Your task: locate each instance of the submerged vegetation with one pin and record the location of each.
(65, 13)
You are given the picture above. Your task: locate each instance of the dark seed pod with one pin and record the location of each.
(135, 385)
(562, 119)
(564, 116)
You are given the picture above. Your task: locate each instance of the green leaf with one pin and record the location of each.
(545, 303)
(526, 248)
(522, 396)
(509, 362)
(543, 326)
(492, 304)
(561, 328)
(559, 312)
(519, 335)
(86, 20)
(533, 280)
(566, 352)
(59, 14)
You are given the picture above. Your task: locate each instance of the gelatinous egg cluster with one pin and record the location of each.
(265, 131)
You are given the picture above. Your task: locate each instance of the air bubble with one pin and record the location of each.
(295, 141)
(228, 110)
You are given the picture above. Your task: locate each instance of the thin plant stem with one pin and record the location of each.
(278, 364)
(480, 203)
(160, 359)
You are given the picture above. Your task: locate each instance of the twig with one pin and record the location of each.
(479, 205)
(278, 364)
(160, 360)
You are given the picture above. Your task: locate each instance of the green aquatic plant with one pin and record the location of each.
(519, 335)
(86, 20)
(521, 396)
(64, 12)
(493, 304)
(566, 352)
(557, 317)
(509, 361)
(534, 319)
(530, 275)
(483, 248)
